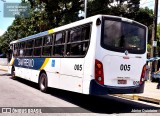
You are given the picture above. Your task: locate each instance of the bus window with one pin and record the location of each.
(28, 52)
(22, 47)
(86, 32)
(47, 51)
(78, 41)
(29, 44)
(47, 40)
(58, 50)
(59, 38)
(128, 36)
(76, 49)
(29, 48)
(15, 53)
(75, 35)
(18, 49)
(38, 42)
(37, 51)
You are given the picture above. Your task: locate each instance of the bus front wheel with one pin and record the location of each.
(13, 76)
(43, 82)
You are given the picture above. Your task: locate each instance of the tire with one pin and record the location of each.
(13, 74)
(153, 79)
(43, 82)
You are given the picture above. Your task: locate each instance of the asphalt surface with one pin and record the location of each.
(23, 93)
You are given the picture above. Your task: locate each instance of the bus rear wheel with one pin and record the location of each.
(43, 82)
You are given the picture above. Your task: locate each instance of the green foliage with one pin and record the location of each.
(47, 14)
(149, 47)
(158, 32)
(158, 37)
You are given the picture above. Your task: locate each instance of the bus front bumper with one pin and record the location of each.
(97, 89)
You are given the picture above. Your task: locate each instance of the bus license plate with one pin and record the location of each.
(122, 81)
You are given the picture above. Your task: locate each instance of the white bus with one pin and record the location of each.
(98, 55)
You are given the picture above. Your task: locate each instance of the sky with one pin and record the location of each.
(5, 22)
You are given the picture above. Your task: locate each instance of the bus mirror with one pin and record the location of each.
(98, 22)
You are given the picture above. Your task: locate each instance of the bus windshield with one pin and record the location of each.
(120, 36)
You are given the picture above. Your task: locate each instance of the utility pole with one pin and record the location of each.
(85, 8)
(154, 37)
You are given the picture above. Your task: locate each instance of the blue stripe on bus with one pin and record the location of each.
(30, 63)
(34, 36)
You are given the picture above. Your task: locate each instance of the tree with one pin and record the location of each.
(46, 14)
(158, 32)
(126, 8)
(158, 38)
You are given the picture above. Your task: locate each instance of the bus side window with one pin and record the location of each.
(59, 39)
(18, 49)
(47, 40)
(86, 32)
(22, 47)
(47, 45)
(47, 51)
(58, 50)
(78, 42)
(75, 35)
(15, 50)
(38, 42)
(29, 48)
(58, 47)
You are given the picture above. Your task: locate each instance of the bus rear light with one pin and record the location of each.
(99, 76)
(143, 74)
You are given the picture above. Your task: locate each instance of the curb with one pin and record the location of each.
(138, 98)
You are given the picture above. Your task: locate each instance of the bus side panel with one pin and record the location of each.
(89, 62)
(34, 75)
(25, 73)
(52, 69)
(71, 74)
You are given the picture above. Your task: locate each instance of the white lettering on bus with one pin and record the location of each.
(26, 62)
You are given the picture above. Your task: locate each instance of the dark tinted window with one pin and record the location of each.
(120, 36)
(22, 45)
(47, 51)
(38, 42)
(37, 51)
(77, 48)
(78, 41)
(28, 52)
(75, 35)
(29, 44)
(47, 40)
(59, 38)
(58, 50)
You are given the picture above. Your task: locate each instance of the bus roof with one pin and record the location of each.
(68, 26)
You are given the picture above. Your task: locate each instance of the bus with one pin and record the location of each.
(99, 55)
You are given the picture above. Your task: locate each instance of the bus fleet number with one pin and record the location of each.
(78, 67)
(125, 67)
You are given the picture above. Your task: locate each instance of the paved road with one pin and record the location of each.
(23, 93)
